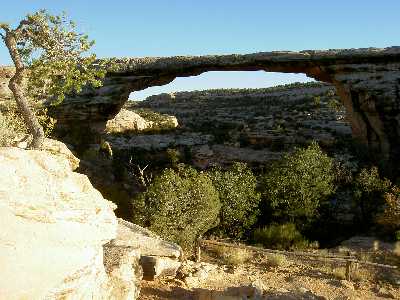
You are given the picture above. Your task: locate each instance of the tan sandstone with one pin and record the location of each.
(54, 225)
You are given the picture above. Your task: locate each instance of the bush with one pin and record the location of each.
(11, 125)
(295, 186)
(389, 219)
(369, 193)
(179, 205)
(233, 256)
(285, 236)
(276, 260)
(239, 199)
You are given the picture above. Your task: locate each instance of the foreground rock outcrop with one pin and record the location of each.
(367, 81)
(158, 258)
(54, 225)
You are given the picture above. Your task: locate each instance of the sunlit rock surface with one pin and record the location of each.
(54, 225)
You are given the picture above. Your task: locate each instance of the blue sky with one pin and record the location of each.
(189, 27)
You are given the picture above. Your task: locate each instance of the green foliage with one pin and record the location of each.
(11, 124)
(239, 199)
(389, 219)
(285, 236)
(335, 105)
(296, 185)
(174, 156)
(179, 205)
(317, 102)
(369, 191)
(54, 53)
(48, 123)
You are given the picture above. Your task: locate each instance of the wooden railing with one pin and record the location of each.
(351, 261)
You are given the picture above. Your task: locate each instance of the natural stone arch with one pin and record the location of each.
(367, 81)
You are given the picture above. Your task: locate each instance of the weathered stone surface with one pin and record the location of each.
(127, 120)
(367, 81)
(156, 266)
(54, 225)
(150, 244)
(158, 258)
(56, 148)
(158, 141)
(124, 271)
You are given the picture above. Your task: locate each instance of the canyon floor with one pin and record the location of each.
(291, 282)
(294, 278)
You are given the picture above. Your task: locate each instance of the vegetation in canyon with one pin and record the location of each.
(47, 53)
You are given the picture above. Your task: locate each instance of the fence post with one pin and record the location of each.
(348, 270)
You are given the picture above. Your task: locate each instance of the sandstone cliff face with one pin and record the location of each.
(54, 225)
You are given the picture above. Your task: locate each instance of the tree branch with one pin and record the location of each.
(21, 25)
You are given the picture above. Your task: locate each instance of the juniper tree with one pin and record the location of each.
(48, 55)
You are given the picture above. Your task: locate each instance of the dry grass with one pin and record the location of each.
(339, 273)
(357, 275)
(276, 260)
(233, 256)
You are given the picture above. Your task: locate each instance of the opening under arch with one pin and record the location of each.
(223, 80)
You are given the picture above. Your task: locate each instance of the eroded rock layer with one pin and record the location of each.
(367, 80)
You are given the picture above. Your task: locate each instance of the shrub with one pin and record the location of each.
(296, 185)
(339, 273)
(239, 199)
(284, 236)
(369, 193)
(174, 156)
(233, 256)
(179, 205)
(11, 125)
(389, 219)
(276, 260)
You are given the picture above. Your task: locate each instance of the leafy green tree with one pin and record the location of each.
(48, 57)
(389, 219)
(299, 183)
(178, 205)
(280, 236)
(239, 199)
(369, 193)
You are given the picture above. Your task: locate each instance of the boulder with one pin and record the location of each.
(158, 258)
(54, 225)
(127, 120)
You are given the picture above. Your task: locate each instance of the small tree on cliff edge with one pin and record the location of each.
(47, 55)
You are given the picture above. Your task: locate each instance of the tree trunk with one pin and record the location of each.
(16, 86)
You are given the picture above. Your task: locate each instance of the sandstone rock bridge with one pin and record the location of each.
(367, 81)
